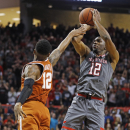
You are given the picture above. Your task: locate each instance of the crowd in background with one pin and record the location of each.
(16, 49)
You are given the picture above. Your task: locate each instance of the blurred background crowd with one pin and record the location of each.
(16, 49)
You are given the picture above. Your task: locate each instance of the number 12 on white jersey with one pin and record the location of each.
(47, 78)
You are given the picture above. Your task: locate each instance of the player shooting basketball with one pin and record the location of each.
(96, 69)
(37, 83)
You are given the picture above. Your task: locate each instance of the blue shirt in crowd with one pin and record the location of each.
(53, 123)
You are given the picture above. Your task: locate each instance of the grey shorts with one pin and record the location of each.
(91, 112)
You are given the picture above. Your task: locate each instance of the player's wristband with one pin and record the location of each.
(26, 91)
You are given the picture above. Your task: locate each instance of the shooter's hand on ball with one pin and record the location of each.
(96, 15)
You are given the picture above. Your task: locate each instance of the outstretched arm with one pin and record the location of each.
(110, 47)
(55, 55)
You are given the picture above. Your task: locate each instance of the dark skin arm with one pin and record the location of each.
(82, 49)
(33, 72)
(55, 55)
(110, 47)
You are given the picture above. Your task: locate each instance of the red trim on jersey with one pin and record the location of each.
(101, 129)
(64, 122)
(92, 97)
(102, 55)
(67, 128)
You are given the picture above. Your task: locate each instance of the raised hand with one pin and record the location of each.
(96, 15)
(79, 31)
(86, 27)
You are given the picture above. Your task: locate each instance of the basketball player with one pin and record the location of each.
(96, 68)
(37, 83)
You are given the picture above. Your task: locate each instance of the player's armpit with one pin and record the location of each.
(80, 47)
(54, 56)
(31, 71)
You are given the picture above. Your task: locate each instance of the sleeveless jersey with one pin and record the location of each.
(95, 74)
(43, 85)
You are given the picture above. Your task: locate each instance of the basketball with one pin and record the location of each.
(86, 16)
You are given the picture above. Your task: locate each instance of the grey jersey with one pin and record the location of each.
(95, 74)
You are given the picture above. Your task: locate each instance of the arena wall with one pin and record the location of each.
(70, 18)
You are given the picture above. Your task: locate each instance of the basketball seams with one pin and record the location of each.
(87, 16)
(82, 22)
(83, 18)
(90, 22)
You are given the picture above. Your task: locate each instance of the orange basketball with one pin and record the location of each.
(86, 16)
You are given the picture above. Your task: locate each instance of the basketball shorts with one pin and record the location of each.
(38, 116)
(82, 110)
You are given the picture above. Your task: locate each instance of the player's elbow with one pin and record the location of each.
(106, 38)
(116, 59)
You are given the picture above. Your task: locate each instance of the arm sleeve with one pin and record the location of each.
(26, 91)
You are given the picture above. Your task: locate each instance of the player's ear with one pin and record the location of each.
(48, 55)
(35, 56)
(34, 52)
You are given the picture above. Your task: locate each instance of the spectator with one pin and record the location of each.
(126, 89)
(9, 124)
(12, 96)
(71, 88)
(3, 93)
(8, 119)
(66, 97)
(1, 122)
(60, 120)
(108, 124)
(57, 99)
(112, 98)
(120, 97)
(1, 109)
(54, 122)
(51, 108)
(21, 27)
(128, 127)
(18, 92)
(1, 76)
(5, 128)
(118, 80)
(108, 116)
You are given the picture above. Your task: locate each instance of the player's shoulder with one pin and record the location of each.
(32, 67)
(40, 62)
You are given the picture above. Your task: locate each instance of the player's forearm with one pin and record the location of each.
(110, 47)
(26, 91)
(55, 55)
(64, 44)
(76, 41)
(102, 31)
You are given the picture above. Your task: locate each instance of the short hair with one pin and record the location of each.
(43, 47)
